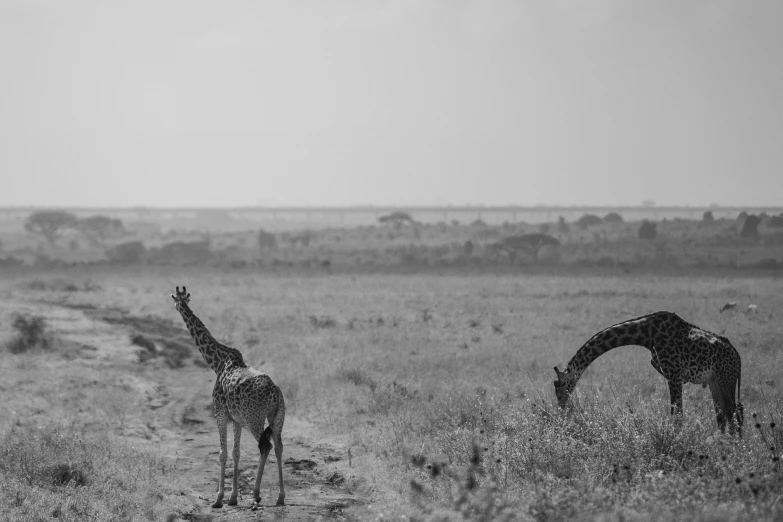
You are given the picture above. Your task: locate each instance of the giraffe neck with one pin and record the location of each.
(642, 331)
(214, 353)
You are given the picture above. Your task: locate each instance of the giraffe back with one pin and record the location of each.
(249, 396)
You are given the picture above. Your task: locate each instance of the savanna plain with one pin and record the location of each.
(409, 397)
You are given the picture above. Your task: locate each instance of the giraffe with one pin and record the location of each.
(242, 395)
(681, 352)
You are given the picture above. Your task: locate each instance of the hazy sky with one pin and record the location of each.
(391, 102)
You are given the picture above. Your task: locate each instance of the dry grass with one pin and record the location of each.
(68, 473)
(458, 362)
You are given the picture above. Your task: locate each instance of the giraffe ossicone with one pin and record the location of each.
(242, 395)
(681, 352)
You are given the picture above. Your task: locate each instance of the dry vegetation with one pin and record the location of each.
(441, 386)
(749, 242)
(438, 379)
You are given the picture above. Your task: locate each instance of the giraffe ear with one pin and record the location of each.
(559, 373)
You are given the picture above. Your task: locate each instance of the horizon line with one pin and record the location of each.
(399, 207)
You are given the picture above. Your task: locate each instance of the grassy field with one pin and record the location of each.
(441, 386)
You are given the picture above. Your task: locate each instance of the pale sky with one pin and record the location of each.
(205, 103)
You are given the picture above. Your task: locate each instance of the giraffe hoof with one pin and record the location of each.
(281, 501)
(255, 506)
(217, 505)
(232, 502)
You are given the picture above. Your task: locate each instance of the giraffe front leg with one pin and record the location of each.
(675, 396)
(235, 481)
(222, 428)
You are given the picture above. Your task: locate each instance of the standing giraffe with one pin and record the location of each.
(681, 352)
(243, 395)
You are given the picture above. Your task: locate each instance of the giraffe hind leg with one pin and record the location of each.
(279, 457)
(724, 406)
(264, 446)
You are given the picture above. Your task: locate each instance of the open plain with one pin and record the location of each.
(421, 396)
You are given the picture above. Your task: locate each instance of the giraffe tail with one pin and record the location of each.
(264, 442)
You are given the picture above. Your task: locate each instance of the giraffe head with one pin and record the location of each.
(564, 385)
(181, 299)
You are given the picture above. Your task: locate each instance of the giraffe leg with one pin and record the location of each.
(279, 457)
(675, 396)
(265, 447)
(222, 428)
(724, 406)
(235, 481)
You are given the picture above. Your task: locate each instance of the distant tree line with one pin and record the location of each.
(51, 224)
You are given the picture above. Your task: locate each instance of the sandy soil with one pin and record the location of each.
(178, 423)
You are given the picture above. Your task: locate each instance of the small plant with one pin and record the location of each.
(358, 377)
(30, 334)
(325, 321)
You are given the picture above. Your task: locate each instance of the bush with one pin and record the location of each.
(647, 230)
(130, 252)
(184, 253)
(588, 220)
(707, 217)
(562, 225)
(749, 227)
(30, 333)
(325, 321)
(613, 217)
(99, 228)
(775, 221)
(266, 240)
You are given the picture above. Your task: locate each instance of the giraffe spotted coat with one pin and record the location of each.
(681, 352)
(242, 395)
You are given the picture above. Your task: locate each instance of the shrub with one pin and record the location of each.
(325, 321)
(707, 216)
(613, 217)
(130, 252)
(99, 228)
(266, 240)
(775, 221)
(749, 227)
(562, 225)
(184, 252)
(588, 220)
(30, 333)
(647, 230)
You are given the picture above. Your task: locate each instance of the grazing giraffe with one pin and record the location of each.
(243, 395)
(681, 352)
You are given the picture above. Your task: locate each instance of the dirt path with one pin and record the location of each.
(178, 424)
